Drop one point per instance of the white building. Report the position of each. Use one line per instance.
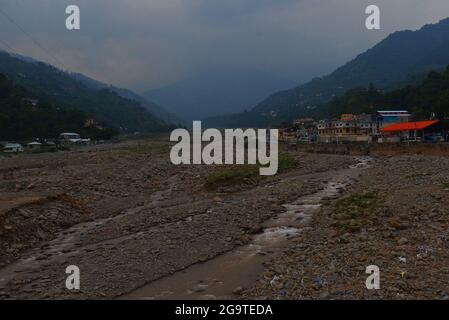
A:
(67, 136)
(13, 148)
(34, 145)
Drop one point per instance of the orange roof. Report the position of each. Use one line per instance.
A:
(409, 126)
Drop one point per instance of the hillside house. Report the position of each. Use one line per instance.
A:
(33, 102)
(67, 136)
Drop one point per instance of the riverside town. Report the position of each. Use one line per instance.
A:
(384, 126)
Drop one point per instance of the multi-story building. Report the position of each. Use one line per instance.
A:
(363, 127)
(355, 128)
(387, 117)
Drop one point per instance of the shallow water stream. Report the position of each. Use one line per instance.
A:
(225, 275)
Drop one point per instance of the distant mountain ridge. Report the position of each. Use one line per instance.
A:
(155, 109)
(217, 92)
(402, 57)
(65, 90)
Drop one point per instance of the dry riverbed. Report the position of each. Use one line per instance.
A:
(395, 216)
(139, 227)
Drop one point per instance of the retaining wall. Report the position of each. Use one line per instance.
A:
(381, 149)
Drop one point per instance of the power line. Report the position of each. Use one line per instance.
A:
(8, 46)
(50, 54)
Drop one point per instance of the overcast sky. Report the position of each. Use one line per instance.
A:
(145, 44)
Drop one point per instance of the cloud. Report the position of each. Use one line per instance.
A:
(144, 44)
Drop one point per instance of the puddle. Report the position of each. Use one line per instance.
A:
(224, 276)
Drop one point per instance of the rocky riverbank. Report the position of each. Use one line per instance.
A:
(130, 219)
(127, 217)
(395, 216)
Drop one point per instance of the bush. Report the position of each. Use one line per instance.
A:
(352, 212)
(238, 173)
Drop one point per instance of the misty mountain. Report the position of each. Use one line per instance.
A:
(403, 57)
(216, 93)
(61, 89)
(155, 109)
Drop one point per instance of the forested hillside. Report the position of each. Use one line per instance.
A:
(21, 120)
(61, 89)
(431, 96)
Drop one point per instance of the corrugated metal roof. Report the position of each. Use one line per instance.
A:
(409, 126)
(392, 111)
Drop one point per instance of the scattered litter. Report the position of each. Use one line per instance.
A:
(317, 281)
(423, 252)
(283, 293)
(274, 280)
